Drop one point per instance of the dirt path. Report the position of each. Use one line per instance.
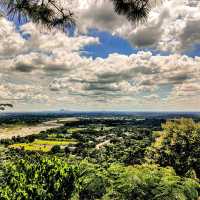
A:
(102, 144)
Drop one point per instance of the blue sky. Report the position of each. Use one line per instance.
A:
(107, 64)
(108, 44)
(115, 44)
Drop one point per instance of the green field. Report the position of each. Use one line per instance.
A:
(42, 145)
(55, 142)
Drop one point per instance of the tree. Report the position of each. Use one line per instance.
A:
(56, 149)
(178, 146)
(50, 14)
(92, 181)
(36, 177)
(4, 105)
(67, 151)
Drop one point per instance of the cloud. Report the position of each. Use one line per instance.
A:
(44, 51)
(149, 34)
(99, 15)
(187, 90)
(172, 26)
(141, 77)
(11, 42)
(42, 68)
(190, 34)
(20, 92)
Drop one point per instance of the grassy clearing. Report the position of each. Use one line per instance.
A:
(42, 145)
(31, 147)
(73, 130)
(59, 136)
(103, 128)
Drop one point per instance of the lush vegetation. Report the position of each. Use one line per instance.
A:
(178, 145)
(42, 177)
(104, 159)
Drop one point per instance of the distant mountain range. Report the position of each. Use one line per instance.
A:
(64, 113)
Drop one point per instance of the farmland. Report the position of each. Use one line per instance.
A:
(42, 145)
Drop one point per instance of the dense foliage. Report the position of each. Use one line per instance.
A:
(178, 145)
(37, 178)
(42, 177)
(149, 182)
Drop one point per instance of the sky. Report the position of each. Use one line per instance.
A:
(108, 63)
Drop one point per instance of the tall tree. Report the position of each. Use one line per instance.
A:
(178, 146)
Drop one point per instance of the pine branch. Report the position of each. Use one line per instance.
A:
(45, 12)
(134, 10)
(50, 14)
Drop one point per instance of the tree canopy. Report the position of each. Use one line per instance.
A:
(41, 177)
(178, 146)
